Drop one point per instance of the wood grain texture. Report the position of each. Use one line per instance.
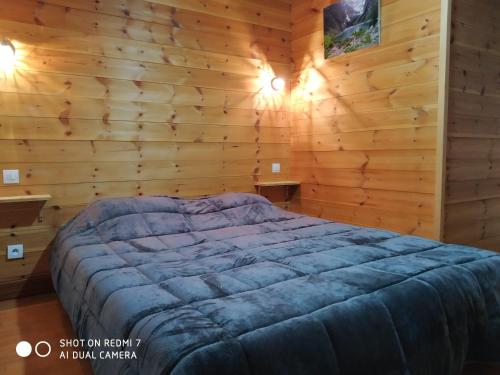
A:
(129, 98)
(364, 125)
(443, 114)
(472, 214)
(21, 210)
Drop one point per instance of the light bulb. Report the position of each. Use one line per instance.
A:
(278, 83)
(7, 56)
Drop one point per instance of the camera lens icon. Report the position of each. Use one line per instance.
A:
(42, 349)
(23, 349)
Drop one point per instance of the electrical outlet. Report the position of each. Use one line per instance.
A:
(276, 167)
(15, 251)
(10, 176)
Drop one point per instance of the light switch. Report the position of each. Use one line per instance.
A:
(276, 167)
(15, 251)
(10, 176)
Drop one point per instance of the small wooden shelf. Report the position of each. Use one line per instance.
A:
(21, 211)
(277, 183)
(25, 198)
(272, 188)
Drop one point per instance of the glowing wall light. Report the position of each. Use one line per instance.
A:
(278, 83)
(271, 84)
(7, 56)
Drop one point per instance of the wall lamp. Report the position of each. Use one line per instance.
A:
(7, 55)
(278, 83)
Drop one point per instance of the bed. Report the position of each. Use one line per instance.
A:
(231, 284)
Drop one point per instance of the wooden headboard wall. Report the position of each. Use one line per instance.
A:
(364, 131)
(123, 98)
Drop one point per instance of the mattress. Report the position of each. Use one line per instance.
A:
(231, 284)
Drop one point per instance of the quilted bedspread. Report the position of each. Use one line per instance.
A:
(231, 284)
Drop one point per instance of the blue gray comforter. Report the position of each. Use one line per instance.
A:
(234, 285)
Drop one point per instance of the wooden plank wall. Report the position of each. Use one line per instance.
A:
(364, 128)
(136, 97)
(472, 214)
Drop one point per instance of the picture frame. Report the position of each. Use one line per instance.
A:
(351, 25)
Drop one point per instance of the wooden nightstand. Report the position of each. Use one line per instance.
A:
(278, 192)
(20, 211)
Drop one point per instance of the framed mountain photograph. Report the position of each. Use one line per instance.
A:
(351, 25)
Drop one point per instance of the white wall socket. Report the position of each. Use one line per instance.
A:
(15, 251)
(10, 176)
(276, 167)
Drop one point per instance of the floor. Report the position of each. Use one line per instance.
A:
(34, 319)
(42, 318)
